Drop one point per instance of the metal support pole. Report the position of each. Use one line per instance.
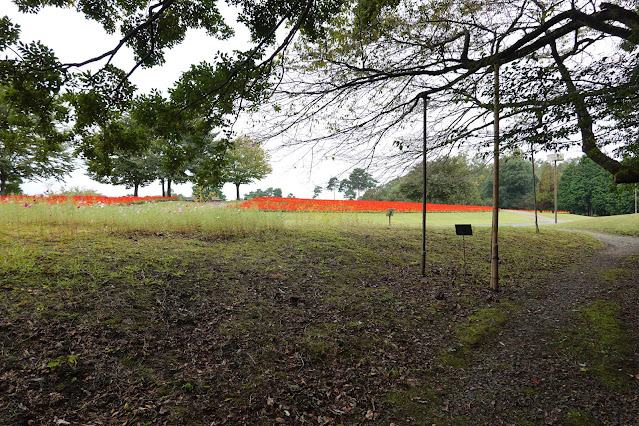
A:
(555, 187)
(424, 188)
(534, 183)
(494, 261)
(464, 245)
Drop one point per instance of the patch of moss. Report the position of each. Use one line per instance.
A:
(601, 345)
(479, 328)
(616, 274)
(327, 329)
(414, 404)
(319, 349)
(578, 418)
(451, 360)
(484, 324)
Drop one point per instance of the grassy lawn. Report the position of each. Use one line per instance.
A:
(406, 219)
(622, 224)
(140, 315)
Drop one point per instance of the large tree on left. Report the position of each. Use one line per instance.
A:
(33, 141)
(151, 28)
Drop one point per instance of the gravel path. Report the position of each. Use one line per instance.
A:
(542, 220)
(522, 375)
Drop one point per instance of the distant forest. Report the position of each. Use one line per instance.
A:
(583, 186)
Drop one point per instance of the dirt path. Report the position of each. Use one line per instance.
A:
(524, 376)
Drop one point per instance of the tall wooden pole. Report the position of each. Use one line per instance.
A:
(494, 262)
(424, 189)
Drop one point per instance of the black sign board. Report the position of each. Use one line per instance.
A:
(464, 229)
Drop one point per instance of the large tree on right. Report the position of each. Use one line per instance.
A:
(569, 75)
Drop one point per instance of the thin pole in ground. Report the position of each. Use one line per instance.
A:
(534, 182)
(424, 189)
(494, 261)
(555, 187)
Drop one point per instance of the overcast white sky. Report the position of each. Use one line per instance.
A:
(74, 39)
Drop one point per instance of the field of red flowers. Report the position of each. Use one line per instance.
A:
(76, 199)
(298, 204)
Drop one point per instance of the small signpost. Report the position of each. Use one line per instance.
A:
(389, 213)
(464, 230)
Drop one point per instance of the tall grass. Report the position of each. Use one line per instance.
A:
(178, 217)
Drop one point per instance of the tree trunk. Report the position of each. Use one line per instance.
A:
(237, 191)
(135, 189)
(621, 173)
(162, 182)
(3, 183)
(168, 187)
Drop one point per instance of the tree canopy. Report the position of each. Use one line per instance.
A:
(245, 162)
(33, 143)
(268, 192)
(358, 180)
(451, 180)
(586, 188)
(569, 70)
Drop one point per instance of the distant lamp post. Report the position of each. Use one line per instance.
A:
(555, 157)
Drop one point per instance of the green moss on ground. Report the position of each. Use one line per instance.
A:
(601, 346)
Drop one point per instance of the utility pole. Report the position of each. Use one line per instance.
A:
(424, 190)
(494, 262)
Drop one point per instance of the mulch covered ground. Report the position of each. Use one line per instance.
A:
(315, 328)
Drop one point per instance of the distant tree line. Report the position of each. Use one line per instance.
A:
(584, 187)
(268, 192)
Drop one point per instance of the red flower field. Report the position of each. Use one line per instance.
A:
(298, 204)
